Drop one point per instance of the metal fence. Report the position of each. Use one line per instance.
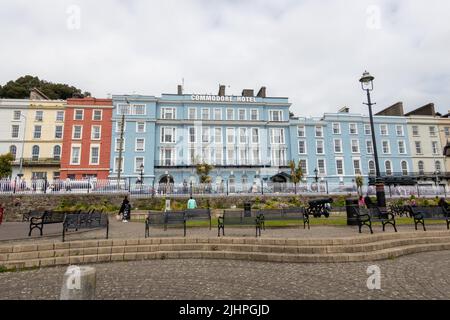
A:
(94, 186)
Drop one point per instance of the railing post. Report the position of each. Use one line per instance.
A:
(227, 189)
(262, 187)
(418, 191)
(15, 184)
(89, 184)
(129, 184)
(326, 184)
(390, 191)
(190, 189)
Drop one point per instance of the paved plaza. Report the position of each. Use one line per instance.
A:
(419, 276)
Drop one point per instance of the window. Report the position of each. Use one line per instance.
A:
(243, 157)
(192, 135)
(58, 132)
(369, 147)
(95, 155)
(75, 155)
(168, 135)
(319, 147)
(230, 156)
(355, 146)
(39, 116)
(357, 167)
(140, 127)
(37, 132)
(255, 135)
(447, 131)
(384, 130)
(254, 115)
(205, 114)
(256, 157)
(97, 115)
(276, 115)
(117, 145)
(435, 147)
(217, 114)
(38, 175)
(77, 132)
(400, 131)
(192, 114)
(337, 146)
(301, 131)
(123, 109)
(418, 147)
(278, 157)
(205, 135)
(388, 167)
(242, 135)
(117, 165)
(96, 132)
(119, 126)
(277, 136)
(242, 114)
(401, 147)
(206, 155)
(15, 131)
(432, 131)
(230, 114)
(35, 153)
(372, 168)
(304, 166)
(421, 166)
(415, 130)
(404, 166)
(321, 166)
(167, 156)
(140, 145)
(353, 128)
(16, 115)
(367, 130)
(79, 115)
(230, 135)
(60, 116)
(437, 166)
(340, 167)
(139, 110)
(386, 147)
(218, 135)
(336, 128)
(168, 113)
(319, 131)
(56, 175)
(13, 151)
(138, 162)
(302, 147)
(57, 153)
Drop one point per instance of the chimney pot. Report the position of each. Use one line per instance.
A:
(180, 90)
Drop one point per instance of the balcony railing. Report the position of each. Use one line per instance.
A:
(36, 162)
(234, 164)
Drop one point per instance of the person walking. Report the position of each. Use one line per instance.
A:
(361, 202)
(125, 210)
(192, 204)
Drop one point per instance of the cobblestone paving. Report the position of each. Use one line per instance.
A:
(420, 276)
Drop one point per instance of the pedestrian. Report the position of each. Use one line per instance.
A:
(361, 202)
(443, 204)
(368, 202)
(413, 203)
(125, 210)
(192, 204)
(2, 212)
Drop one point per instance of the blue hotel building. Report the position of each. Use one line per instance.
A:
(249, 139)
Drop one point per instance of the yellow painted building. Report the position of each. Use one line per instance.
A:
(43, 139)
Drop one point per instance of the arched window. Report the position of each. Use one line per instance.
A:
(437, 166)
(388, 166)
(57, 153)
(35, 153)
(13, 151)
(372, 169)
(404, 168)
(421, 166)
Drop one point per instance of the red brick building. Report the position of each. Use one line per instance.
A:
(86, 146)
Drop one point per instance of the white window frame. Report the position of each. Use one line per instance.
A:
(343, 166)
(19, 112)
(305, 172)
(40, 132)
(340, 146)
(273, 112)
(134, 110)
(73, 132)
(415, 131)
(316, 131)
(339, 127)
(239, 114)
(245, 135)
(371, 146)
(221, 135)
(432, 132)
(385, 168)
(232, 114)
(305, 147)
(136, 168)
(62, 131)
(350, 129)
(420, 147)
(374, 167)
(41, 112)
(206, 132)
(195, 135)
(209, 114)
(435, 151)
(174, 135)
(257, 114)
(92, 132)
(116, 159)
(258, 135)
(63, 116)
(282, 136)
(300, 130)
(90, 154)
(323, 147)
(165, 111)
(136, 145)
(75, 145)
(402, 132)
(218, 111)
(93, 114)
(75, 115)
(404, 146)
(360, 167)
(137, 127)
(234, 135)
(367, 127)
(324, 173)
(189, 113)
(381, 130)
(388, 145)
(358, 146)
(117, 144)
(407, 167)
(18, 131)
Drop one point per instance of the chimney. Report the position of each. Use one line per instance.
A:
(344, 110)
(248, 93)
(221, 91)
(262, 92)
(180, 90)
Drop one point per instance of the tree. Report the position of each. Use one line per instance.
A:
(359, 180)
(203, 170)
(296, 173)
(6, 161)
(20, 89)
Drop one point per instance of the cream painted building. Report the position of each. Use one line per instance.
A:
(444, 133)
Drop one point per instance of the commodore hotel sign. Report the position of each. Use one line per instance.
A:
(210, 98)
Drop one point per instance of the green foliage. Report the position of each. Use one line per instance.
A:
(359, 180)
(203, 170)
(20, 89)
(296, 172)
(6, 161)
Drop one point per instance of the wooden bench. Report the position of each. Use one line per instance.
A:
(317, 208)
(199, 215)
(238, 218)
(288, 214)
(421, 214)
(85, 220)
(365, 217)
(46, 217)
(399, 210)
(164, 219)
(26, 217)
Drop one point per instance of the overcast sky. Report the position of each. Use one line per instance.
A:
(311, 51)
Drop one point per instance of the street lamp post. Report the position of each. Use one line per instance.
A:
(316, 172)
(141, 180)
(367, 85)
(20, 174)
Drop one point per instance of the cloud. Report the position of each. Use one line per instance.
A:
(310, 51)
